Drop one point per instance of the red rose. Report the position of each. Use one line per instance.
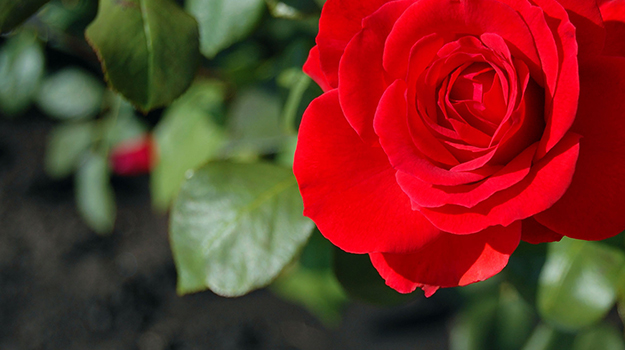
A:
(133, 157)
(451, 129)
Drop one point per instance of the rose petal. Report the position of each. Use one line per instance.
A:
(312, 67)
(586, 17)
(545, 185)
(594, 205)
(349, 187)
(613, 13)
(561, 106)
(533, 232)
(391, 126)
(340, 21)
(465, 17)
(428, 195)
(450, 260)
(361, 72)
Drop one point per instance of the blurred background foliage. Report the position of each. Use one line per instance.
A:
(206, 97)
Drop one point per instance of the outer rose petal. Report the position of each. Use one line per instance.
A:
(593, 208)
(312, 67)
(467, 17)
(534, 233)
(349, 187)
(363, 80)
(545, 185)
(585, 16)
(613, 13)
(560, 111)
(339, 22)
(450, 260)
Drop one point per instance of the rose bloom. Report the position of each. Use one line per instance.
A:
(133, 157)
(449, 130)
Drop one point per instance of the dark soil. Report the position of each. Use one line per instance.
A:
(64, 287)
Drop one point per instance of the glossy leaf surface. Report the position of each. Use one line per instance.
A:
(149, 49)
(224, 22)
(234, 227)
(578, 284)
(187, 137)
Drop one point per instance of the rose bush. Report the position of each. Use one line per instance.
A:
(449, 130)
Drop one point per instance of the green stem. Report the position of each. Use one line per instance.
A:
(292, 103)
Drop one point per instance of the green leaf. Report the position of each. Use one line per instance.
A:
(299, 84)
(318, 254)
(286, 154)
(224, 22)
(472, 327)
(578, 284)
(149, 49)
(254, 124)
(71, 93)
(120, 122)
(320, 2)
(545, 337)
(524, 267)
(312, 282)
(66, 145)
(21, 67)
(14, 12)
(515, 319)
(62, 17)
(317, 290)
(362, 281)
(234, 227)
(187, 138)
(601, 337)
(94, 194)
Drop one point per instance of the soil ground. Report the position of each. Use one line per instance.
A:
(64, 287)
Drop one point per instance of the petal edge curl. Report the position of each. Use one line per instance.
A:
(349, 187)
(451, 260)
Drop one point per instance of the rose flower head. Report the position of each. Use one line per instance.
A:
(133, 157)
(449, 130)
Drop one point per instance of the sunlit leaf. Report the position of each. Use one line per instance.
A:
(21, 67)
(602, 337)
(149, 49)
(545, 337)
(66, 145)
(187, 138)
(71, 93)
(94, 195)
(234, 227)
(224, 22)
(14, 12)
(578, 284)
